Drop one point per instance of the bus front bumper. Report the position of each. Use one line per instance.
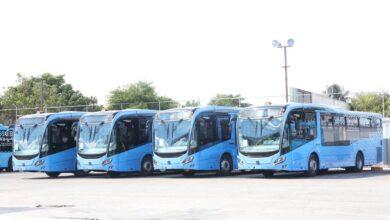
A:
(183, 162)
(98, 164)
(274, 163)
(26, 165)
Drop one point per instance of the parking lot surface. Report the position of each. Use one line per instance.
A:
(334, 195)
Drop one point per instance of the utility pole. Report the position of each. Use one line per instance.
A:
(277, 44)
(285, 72)
(42, 98)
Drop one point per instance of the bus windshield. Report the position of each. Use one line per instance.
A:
(28, 135)
(259, 131)
(172, 132)
(94, 134)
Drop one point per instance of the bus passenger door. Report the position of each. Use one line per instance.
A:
(207, 136)
(225, 137)
(302, 128)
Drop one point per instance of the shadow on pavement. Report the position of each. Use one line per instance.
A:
(332, 174)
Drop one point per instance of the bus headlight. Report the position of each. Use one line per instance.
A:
(107, 161)
(39, 163)
(280, 160)
(188, 159)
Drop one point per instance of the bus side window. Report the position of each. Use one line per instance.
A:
(128, 133)
(352, 128)
(206, 130)
(365, 127)
(74, 130)
(310, 126)
(224, 126)
(301, 127)
(61, 136)
(143, 134)
(327, 129)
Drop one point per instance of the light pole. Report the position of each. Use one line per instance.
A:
(277, 44)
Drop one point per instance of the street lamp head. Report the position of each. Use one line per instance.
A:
(290, 42)
(276, 43)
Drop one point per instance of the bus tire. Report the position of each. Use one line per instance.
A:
(359, 162)
(313, 166)
(188, 173)
(225, 165)
(147, 168)
(53, 174)
(268, 173)
(10, 166)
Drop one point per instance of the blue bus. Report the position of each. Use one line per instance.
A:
(307, 138)
(46, 143)
(195, 139)
(6, 136)
(116, 142)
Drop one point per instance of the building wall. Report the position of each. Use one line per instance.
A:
(302, 96)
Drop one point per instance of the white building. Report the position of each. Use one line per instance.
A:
(302, 96)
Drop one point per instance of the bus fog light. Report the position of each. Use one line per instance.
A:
(106, 162)
(154, 162)
(188, 159)
(280, 160)
(240, 161)
(39, 163)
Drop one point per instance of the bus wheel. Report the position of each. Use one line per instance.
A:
(268, 174)
(313, 168)
(10, 166)
(225, 166)
(113, 174)
(147, 166)
(359, 162)
(53, 174)
(188, 173)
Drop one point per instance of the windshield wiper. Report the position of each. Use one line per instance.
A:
(178, 139)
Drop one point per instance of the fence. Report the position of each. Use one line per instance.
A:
(9, 115)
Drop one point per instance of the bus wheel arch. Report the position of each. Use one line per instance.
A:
(147, 168)
(225, 164)
(313, 165)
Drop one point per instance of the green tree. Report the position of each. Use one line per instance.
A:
(371, 102)
(335, 91)
(56, 92)
(228, 100)
(141, 95)
(192, 103)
